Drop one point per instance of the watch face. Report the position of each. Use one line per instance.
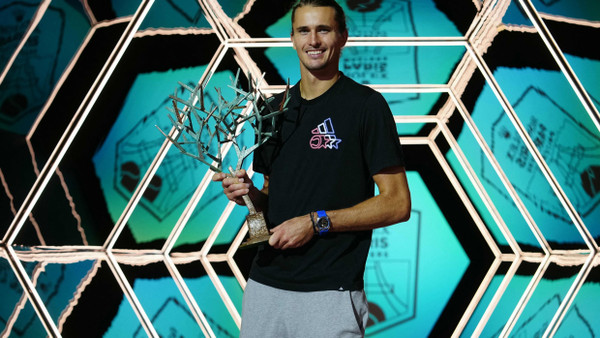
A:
(323, 223)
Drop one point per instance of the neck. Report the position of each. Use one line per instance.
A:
(313, 86)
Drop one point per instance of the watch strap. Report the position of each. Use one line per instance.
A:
(320, 230)
(314, 224)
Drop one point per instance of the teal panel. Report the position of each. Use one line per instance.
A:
(41, 62)
(572, 9)
(167, 311)
(506, 306)
(487, 175)
(11, 292)
(544, 303)
(175, 14)
(482, 306)
(576, 9)
(404, 265)
(131, 146)
(385, 19)
(580, 320)
(565, 136)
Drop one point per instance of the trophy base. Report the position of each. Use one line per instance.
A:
(257, 228)
(254, 241)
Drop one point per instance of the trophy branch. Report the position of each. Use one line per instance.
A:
(205, 134)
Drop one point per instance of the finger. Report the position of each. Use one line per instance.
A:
(240, 173)
(218, 177)
(234, 184)
(237, 182)
(237, 190)
(287, 245)
(236, 196)
(274, 241)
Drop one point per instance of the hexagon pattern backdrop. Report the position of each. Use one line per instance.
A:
(107, 230)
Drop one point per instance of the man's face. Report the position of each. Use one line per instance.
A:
(316, 39)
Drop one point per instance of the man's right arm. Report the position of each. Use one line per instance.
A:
(235, 187)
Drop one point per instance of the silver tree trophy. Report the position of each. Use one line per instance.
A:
(210, 132)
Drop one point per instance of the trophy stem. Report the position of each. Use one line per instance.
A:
(249, 204)
(257, 226)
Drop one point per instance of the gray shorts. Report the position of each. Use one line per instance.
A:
(272, 312)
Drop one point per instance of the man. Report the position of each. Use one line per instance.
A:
(336, 139)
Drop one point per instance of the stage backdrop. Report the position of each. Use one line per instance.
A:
(107, 230)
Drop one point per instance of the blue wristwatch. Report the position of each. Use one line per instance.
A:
(323, 223)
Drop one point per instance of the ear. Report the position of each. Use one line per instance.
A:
(344, 37)
(292, 38)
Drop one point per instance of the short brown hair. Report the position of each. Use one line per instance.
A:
(340, 16)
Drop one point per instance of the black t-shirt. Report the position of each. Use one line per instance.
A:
(323, 158)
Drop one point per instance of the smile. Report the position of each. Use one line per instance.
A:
(315, 52)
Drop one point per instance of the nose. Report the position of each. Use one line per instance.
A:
(314, 39)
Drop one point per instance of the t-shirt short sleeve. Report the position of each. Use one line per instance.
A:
(263, 155)
(380, 137)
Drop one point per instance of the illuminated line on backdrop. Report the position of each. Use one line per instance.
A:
(354, 41)
(31, 292)
(130, 295)
(146, 179)
(11, 198)
(77, 294)
(210, 270)
(188, 211)
(480, 17)
(504, 179)
(572, 21)
(497, 297)
(66, 73)
(483, 287)
(72, 205)
(234, 37)
(525, 297)
(562, 62)
(72, 129)
(51, 166)
(560, 314)
(189, 298)
(464, 198)
(173, 31)
(213, 20)
(481, 192)
(37, 17)
(37, 270)
(510, 113)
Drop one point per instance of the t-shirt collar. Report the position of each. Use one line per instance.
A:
(296, 98)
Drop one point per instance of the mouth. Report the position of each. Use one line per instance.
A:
(315, 52)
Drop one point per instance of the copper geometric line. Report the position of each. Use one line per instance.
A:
(497, 297)
(31, 292)
(505, 181)
(130, 295)
(37, 17)
(562, 62)
(525, 297)
(558, 191)
(189, 298)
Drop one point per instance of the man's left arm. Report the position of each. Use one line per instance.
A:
(392, 205)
